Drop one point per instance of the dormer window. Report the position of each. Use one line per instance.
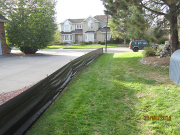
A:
(78, 26)
(90, 24)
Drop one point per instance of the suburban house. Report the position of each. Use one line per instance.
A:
(89, 29)
(3, 45)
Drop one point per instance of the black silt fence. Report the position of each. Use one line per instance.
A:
(19, 113)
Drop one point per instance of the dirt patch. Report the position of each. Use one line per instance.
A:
(156, 61)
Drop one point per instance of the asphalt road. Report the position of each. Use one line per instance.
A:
(17, 72)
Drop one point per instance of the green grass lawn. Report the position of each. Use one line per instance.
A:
(111, 96)
(92, 46)
(55, 47)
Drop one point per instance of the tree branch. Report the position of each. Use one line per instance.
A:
(157, 2)
(149, 9)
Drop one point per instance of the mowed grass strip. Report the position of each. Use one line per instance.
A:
(55, 46)
(111, 96)
(92, 46)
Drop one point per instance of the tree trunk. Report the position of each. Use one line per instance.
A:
(173, 30)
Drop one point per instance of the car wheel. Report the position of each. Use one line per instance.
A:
(135, 49)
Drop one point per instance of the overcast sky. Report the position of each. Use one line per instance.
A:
(77, 9)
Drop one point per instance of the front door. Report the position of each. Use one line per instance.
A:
(80, 38)
(0, 48)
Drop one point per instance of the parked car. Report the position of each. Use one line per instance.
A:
(137, 45)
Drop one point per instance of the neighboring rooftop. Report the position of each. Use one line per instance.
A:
(103, 29)
(101, 18)
(76, 20)
(3, 19)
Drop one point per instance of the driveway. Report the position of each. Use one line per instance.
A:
(17, 72)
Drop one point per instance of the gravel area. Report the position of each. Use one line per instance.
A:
(4, 97)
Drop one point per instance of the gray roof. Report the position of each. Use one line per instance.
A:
(79, 31)
(104, 29)
(90, 32)
(102, 18)
(3, 19)
(62, 32)
(76, 20)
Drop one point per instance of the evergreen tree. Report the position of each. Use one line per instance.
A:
(32, 23)
(170, 9)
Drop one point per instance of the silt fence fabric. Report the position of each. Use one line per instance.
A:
(19, 113)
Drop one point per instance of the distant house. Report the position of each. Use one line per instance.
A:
(89, 29)
(3, 45)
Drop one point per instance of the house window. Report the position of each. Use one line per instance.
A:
(108, 36)
(70, 37)
(78, 26)
(89, 37)
(62, 28)
(66, 27)
(90, 24)
(66, 37)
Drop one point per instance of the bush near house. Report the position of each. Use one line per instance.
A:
(99, 42)
(102, 43)
(149, 51)
(90, 42)
(94, 42)
(81, 43)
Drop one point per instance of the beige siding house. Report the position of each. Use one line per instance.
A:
(89, 29)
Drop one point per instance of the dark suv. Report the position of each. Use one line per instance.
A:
(136, 45)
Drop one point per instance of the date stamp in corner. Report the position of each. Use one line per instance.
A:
(157, 117)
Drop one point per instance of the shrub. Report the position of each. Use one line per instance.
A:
(109, 41)
(99, 42)
(28, 49)
(94, 42)
(57, 42)
(149, 51)
(86, 43)
(162, 40)
(90, 42)
(81, 43)
(102, 43)
(64, 43)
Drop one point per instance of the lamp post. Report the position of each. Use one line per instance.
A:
(106, 34)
